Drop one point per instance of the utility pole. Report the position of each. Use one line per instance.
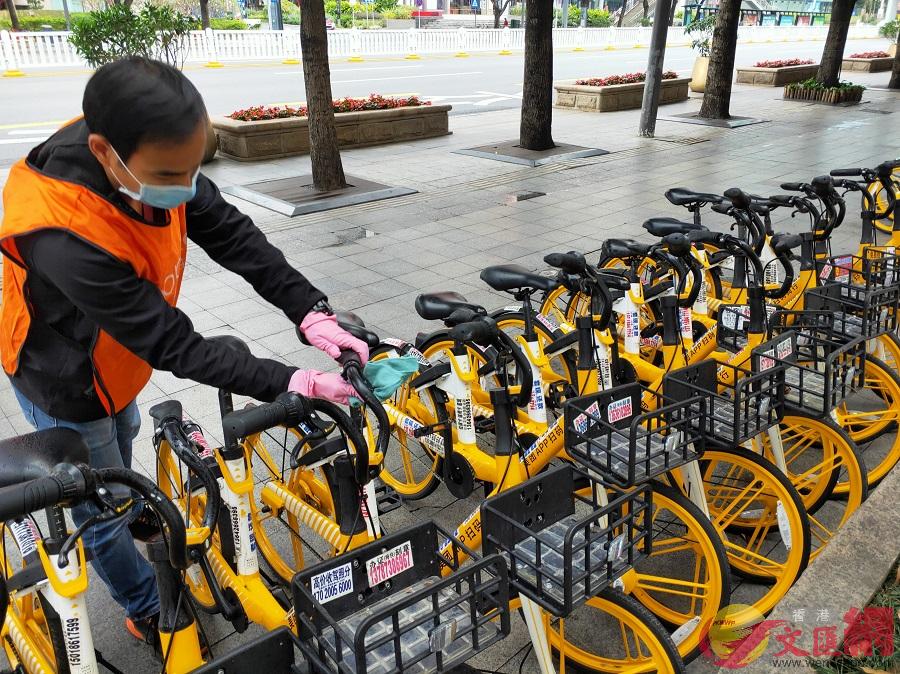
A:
(650, 104)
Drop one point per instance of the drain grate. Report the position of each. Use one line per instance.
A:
(523, 196)
(347, 236)
(681, 140)
(877, 112)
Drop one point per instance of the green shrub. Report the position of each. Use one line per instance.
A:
(35, 21)
(401, 12)
(258, 14)
(890, 30)
(227, 24)
(117, 32)
(598, 18)
(702, 31)
(382, 6)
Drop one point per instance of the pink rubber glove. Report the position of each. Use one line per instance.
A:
(325, 385)
(323, 332)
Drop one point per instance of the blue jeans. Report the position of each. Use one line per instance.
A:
(127, 574)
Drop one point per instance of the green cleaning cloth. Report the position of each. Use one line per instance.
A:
(386, 375)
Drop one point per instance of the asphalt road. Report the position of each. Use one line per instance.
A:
(31, 107)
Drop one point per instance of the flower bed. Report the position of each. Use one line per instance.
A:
(783, 63)
(812, 90)
(618, 92)
(777, 73)
(630, 78)
(868, 62)
(269, 132)
(373, 102)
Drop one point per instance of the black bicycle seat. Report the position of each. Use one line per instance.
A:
(681, 196)
(438, 306)
(625, 248)
(28, 457)
(513, 276)
(664, 226)
(355, 326)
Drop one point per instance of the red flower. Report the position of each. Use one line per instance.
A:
(870, 55)
(373, 102)
(782, 63)
(630, 78)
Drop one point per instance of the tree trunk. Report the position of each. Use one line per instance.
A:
(672, 13)
(622, 14)
(204, 14)
(833, 54)
(327, 170)
(496, 14)
(646, 10)
(895, 71)
(537, 91)
(13, 14)
(717, 96)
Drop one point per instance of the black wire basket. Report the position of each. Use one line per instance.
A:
(822, 366)
(565, 536)
(863, 292)
(608, 434)
(742, 403)
(399, 605)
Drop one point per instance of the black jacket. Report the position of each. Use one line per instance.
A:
(74, 289)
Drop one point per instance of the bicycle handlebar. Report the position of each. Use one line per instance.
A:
(66, 482)
(570, 263)
(846, 173)
(287, 409)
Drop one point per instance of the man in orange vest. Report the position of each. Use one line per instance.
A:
(94, 234)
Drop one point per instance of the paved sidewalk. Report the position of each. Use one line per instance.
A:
(374, 259)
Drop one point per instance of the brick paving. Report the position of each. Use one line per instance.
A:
(374, 259)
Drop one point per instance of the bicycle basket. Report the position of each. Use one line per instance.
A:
(741, 403)
(607, 433)
(385, 607)
(732, 322)
(822, 367)
(563, 547)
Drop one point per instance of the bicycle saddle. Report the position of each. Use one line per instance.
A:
(355, 326)
(681, 196)
(438, 306)
(34, 455)
(625, 248)
(664, 226)
(511, 276)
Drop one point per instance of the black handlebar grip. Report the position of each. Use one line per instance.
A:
(347, 357)
(571, 262)
(482, 331)
(783, 243)
(782, 200)
(846, 173)
(27, 497)
(738, 197)
(792, 187)
(705, 236)
(287, 409)
(722, 207)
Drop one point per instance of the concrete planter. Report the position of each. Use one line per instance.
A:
(617, 96)
(833, 96)
(776, 77)
(876, 65)
(399, 24)
(273, 138)
(698, 75)
(892, 50)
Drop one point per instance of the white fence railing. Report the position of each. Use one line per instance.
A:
(52, 49)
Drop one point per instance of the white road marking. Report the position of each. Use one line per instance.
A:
(404, 77)
(27, 132)
(23, 141)
(294, 73)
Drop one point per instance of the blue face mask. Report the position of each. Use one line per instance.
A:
(159, 196)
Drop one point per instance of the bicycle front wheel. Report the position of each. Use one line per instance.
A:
(613, 633)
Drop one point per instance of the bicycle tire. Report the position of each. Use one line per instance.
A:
(744, 560)
(665, 658)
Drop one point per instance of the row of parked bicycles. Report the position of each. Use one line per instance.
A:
(659, 432)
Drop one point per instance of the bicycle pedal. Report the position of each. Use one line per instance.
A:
(484, 425)
(387, 498)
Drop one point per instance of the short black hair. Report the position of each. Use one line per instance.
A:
(136, 100)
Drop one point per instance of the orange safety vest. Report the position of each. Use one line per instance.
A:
(32, 202)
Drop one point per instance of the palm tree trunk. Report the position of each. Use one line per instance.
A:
(204, 14)
(13, 14)
(621, 14)
(717, 97)
(537, 91)
(833, 54)
(327, 170)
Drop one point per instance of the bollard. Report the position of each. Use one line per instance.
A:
(293, 47)
(354, 47)
(461, 44)
(579, 39)
(411, 53)
(10, 69)
(506, 41)
(212, 57)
